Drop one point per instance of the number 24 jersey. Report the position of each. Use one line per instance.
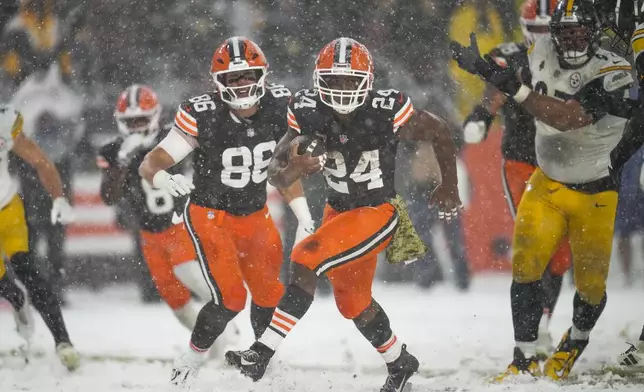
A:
(361, 162)
(231, 160)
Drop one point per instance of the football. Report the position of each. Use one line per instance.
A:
(310, 144)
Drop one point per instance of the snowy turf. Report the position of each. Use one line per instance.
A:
(460, 339)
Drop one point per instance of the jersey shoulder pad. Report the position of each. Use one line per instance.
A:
(11, 122)
(395, 104)
(107, 154)
(614, 70)
(513, 54)
(301, 107)
(189, 112)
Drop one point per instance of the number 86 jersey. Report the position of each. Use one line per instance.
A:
(232, 153)
(361, 146)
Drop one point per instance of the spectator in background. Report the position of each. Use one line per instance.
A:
(630, 214)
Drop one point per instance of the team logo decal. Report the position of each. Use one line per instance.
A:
(575, 80)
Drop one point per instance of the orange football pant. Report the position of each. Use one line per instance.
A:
(345, 248)
(233, 249)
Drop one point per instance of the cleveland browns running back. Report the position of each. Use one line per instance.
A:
(359, 129)
(233, 132)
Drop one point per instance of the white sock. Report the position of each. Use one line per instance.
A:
(578, 334)
(529, 349)
(391, 350)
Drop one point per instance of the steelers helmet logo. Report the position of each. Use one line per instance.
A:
(575, 80)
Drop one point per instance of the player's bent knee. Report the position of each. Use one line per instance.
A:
(351, 305)
(592, 291)
(269, 295)
(235, 298)
(525, 268)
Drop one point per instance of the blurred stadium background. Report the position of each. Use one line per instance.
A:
(64, 62)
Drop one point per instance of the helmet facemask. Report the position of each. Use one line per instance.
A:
(139, 123)
(576, 42)
(241, 88)
(343, 89)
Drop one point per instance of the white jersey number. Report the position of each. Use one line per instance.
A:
(367, 170)
(252, 166)
(158, 201)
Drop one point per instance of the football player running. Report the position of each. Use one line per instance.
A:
(578, 102)
(517, 148)
(625, 20)
(13, 239)
(360, 130)
(233, 132)
(166, 246)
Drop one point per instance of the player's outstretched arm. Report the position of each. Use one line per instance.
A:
(31, 153)
(425, 126)
(562, 115)
(172, 149)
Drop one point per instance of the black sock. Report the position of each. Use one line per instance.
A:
(377, 331)
(211, 322)
(551, 290)
(642, 335)
(10, 291)
(527, 309)
(585, 315)
(292, 307)
(42, 297)
(260, 317)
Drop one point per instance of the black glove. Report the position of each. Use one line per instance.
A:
(480, 113)
(469, 58)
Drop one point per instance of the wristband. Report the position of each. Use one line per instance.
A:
(522, 94)
(300, 208)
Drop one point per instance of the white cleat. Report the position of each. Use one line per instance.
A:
(633, 358)
(185, 370)
(68, 356)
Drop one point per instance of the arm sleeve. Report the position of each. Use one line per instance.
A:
(178, 144)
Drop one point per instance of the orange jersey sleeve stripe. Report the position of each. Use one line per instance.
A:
(404, 114)
(292, 122)
(188, 118)
(184, 126)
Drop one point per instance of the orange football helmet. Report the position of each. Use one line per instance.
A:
(535, 18)
(239, 54)
(138, 111)
(342, 60)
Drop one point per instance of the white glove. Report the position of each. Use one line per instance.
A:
(62, 212)
(175, 184)
(474, 132)
(129, 146)
(304, 229)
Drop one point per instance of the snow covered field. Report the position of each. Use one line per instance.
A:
(460, 339)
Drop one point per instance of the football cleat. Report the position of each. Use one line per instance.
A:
(560, 363)
(251, 363)
(68, 356)
(521, 365)
(633, 357)
(400, 371)
(185, 371)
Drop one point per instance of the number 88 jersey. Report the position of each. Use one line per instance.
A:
(361, 146)
(232, 154)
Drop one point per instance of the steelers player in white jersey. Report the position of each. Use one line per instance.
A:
(13, 238)
(576, 92)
